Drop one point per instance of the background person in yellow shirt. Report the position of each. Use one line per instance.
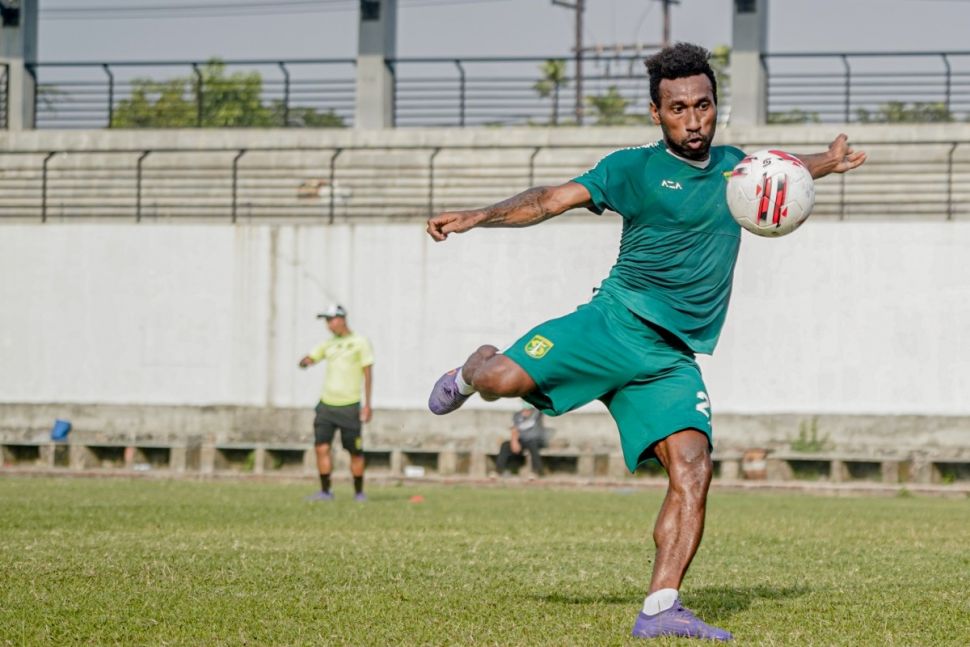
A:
(349, 360)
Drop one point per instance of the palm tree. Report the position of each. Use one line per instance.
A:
(553, 78)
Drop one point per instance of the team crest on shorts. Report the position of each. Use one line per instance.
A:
(537, 347)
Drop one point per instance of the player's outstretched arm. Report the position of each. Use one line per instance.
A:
(527, 208)
(839, 158)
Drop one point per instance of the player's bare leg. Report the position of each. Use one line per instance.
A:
(677, 534)
(357, 465)
(324, 467)
(487, 371)
(324, 463)
(680, 524)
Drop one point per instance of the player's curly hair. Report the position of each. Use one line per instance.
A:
(676, 62)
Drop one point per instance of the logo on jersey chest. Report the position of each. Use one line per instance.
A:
(671, 184)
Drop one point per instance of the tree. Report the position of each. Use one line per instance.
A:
(155, 104)
(553, 78)
(231, 100)
(895, 112)
(226, 100)
(211, 100)
(609, 108)
(793, 116)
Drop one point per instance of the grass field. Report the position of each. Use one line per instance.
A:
(232, 563)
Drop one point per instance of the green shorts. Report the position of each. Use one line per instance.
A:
(646, 376)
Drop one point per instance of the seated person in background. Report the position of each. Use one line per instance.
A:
(528, 433)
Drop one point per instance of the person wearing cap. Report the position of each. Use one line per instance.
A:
(349, 361)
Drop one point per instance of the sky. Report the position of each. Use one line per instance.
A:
(449, 28)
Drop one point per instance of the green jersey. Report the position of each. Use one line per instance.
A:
(679, 243)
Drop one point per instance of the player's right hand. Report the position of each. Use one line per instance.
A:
(451, 222)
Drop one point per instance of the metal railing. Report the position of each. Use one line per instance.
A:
(873, 87)
(486, 91)
(929, 179)
(478, 91)
(475, 91)
(292, 93)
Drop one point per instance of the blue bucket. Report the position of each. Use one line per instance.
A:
(61, 429)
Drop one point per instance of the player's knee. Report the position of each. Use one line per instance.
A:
(690, 466)
(694, 476)
(503, 378)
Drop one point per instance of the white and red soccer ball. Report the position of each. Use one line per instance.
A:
(770, 193)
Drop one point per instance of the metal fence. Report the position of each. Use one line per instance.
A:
(802, 88)
(928, 179)
(314, 92)
(874, 87)
(292, 93)
(509, 91)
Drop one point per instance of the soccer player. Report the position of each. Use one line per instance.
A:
(349, 363)
(632, 346)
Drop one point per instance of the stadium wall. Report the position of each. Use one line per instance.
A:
(195, 329)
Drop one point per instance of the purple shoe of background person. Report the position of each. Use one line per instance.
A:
(677, 621)
(445, 397)
(360, 497)
(320, 496)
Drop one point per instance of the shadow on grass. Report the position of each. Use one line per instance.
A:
(723, 601)
(711, 601)
(615, 598)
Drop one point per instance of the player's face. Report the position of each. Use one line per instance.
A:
(336, 324)
(687, 115)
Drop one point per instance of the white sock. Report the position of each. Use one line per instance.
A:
(659, 601)
(463, 387)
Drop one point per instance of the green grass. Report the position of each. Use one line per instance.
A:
(232, 563)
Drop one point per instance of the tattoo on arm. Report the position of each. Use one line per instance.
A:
(520, 210)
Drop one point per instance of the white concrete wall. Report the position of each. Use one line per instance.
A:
(838, 318)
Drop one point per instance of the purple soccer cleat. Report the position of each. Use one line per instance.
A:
(360, 496)
(677, 621)
(320, 496)
(445, 397)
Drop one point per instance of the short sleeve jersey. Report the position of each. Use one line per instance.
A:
(679, 243)
(346, 358)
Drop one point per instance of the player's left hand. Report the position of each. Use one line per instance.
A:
(845, 159)
(365, 414)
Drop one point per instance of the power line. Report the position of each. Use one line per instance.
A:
(188, 5)
(227, 9)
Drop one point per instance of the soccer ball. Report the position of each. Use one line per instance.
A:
(770, 193)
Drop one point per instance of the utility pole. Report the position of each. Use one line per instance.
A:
(579, 6)
(666, 10)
